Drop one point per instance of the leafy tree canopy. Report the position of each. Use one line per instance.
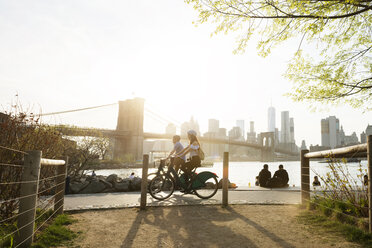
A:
(341, 72)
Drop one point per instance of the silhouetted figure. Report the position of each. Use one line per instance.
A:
(257, 183)
(264, 176)
(316, 181)
(365, 180)
(93, 174)
(280, 178)
(67, 185)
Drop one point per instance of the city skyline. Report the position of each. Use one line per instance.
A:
(101, 54)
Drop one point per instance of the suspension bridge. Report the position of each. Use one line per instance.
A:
(129, 134)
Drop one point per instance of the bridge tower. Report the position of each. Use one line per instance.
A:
(268, 142)
(130, 118)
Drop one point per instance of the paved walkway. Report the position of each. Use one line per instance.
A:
(242, 195)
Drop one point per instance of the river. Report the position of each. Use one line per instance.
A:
(244, 173)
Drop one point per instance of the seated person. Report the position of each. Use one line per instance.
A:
(280, 178)
(264, 176)
(316, 181)
(178, 147)
(257, 183)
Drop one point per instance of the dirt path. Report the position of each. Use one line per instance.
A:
(200, 226)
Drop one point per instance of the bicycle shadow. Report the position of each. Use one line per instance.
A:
(186, 227)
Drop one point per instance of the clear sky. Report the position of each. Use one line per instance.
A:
(60, 55)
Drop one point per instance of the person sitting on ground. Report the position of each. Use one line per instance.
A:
(93, 173)
(316, 181)
(178, 148)
(280, 178)
(257, 183)
(264, 176)
(131, 175)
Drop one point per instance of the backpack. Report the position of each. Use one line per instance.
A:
(201, 153)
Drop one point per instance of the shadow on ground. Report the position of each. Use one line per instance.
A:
(206, 226)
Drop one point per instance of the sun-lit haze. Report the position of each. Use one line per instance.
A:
(61, 55)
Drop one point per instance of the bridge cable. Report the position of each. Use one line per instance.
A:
(76, 110)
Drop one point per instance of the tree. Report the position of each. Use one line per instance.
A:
(341, 30)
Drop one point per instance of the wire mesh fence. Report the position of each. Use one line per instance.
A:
(30, 195)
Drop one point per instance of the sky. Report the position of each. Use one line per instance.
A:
(61, 55)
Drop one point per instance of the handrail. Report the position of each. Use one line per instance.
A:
(45, 161)
(356, 151)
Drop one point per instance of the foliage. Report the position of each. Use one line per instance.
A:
(342, 190)
(56, 233)
(321, 224)
(23, 132)
(339, 30)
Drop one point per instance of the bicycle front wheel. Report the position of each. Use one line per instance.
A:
(205, 186)
(161, 187)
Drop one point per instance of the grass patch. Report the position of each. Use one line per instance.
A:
(320, 223)
(56, 234)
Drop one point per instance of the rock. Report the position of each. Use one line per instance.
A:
(107, 184)
(122, 186)
(113, 178)
(77, 187)
(94, 187)
(220, 183)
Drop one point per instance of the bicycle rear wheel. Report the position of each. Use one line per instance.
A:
(205, 187)
(161, 187)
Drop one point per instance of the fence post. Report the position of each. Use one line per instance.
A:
(60, 188)
(225, 179)
(369, 156)
(28, 190)
(305, 177)
(145, 167)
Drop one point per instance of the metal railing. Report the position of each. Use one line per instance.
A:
(363, 150)
(29, 199)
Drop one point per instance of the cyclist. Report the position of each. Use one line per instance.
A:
(178, 148)
(193, 148)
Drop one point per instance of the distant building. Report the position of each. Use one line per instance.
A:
(285, 128)
(363, 135)
(240, 124)
(213, 125)
(271, 119)
(363, 138)
(235, 133)
(369, 130)
(192, 124)
(330, 131)
(291, 131)
(251, 135)
(171, 129)
(303, 145)
(350, 140)
(222, 132)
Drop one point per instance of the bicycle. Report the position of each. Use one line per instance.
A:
(203, 184)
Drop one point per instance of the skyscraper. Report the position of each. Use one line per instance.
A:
(330, 131)
(251, 136)
(240, 124)
(291, 130)
(285, 128)
(271, 119)
(171, 129)
(213, 125)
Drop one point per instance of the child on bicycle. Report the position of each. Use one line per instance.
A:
(178, 148)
